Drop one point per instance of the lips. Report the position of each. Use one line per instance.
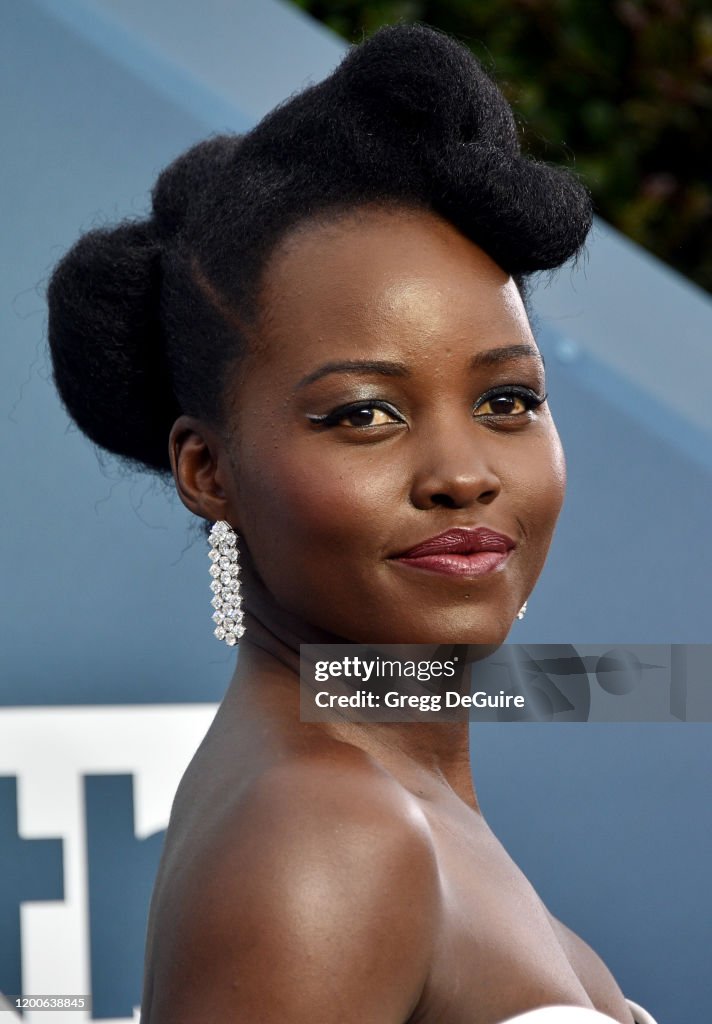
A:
(461, 542)
(460, 552)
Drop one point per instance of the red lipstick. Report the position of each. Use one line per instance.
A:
(460, 552)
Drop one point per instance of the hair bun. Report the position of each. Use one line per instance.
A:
(411, 115)
(105, 342)
(180, 185)
(419, 79)
(418, 82)
(528, 216)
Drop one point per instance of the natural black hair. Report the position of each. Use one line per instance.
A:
(148, 319)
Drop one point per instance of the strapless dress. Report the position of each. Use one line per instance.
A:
(576, 1015)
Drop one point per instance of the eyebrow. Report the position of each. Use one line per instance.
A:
(384, 368)
(381, 367)
(493, 356)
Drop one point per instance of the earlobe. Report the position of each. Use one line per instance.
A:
(198, 460)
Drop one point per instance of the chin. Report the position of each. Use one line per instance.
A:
(487, 632)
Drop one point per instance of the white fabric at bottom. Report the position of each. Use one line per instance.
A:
(641, 1016)
(576, 1015)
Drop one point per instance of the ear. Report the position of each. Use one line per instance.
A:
(202, 470)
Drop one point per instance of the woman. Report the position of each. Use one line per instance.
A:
(321, 333)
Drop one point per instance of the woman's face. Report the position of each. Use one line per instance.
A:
(391, 396)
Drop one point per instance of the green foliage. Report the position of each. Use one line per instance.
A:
(622, 91)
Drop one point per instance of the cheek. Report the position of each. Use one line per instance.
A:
(542, 489)
(548, 480)
(557, 470)
(304, 506)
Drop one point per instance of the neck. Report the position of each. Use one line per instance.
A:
(425, 756)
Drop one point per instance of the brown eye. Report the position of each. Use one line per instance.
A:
(359, 414)
(367, 416)
(502, 405)
(508, 402)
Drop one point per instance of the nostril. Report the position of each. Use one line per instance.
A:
(446, 500)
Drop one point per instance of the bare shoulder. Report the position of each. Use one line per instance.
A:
(316, 899)
(596, 978)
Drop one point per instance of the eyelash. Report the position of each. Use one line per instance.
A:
(334, 418)
(530, 399)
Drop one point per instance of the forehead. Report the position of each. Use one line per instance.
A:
(375, 279)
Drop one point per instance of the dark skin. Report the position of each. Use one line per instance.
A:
(316, 873)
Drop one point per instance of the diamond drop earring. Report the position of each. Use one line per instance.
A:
(225, 585)
(522, 611)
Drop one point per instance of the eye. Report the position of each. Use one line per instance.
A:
(508, 402)
(367, 416)
(359, 414)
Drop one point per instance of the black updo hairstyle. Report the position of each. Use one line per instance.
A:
(148, 319)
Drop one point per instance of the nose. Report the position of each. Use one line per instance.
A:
(454, 470)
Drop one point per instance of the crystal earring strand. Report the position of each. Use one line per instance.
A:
(225, 585)
(522, 611)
